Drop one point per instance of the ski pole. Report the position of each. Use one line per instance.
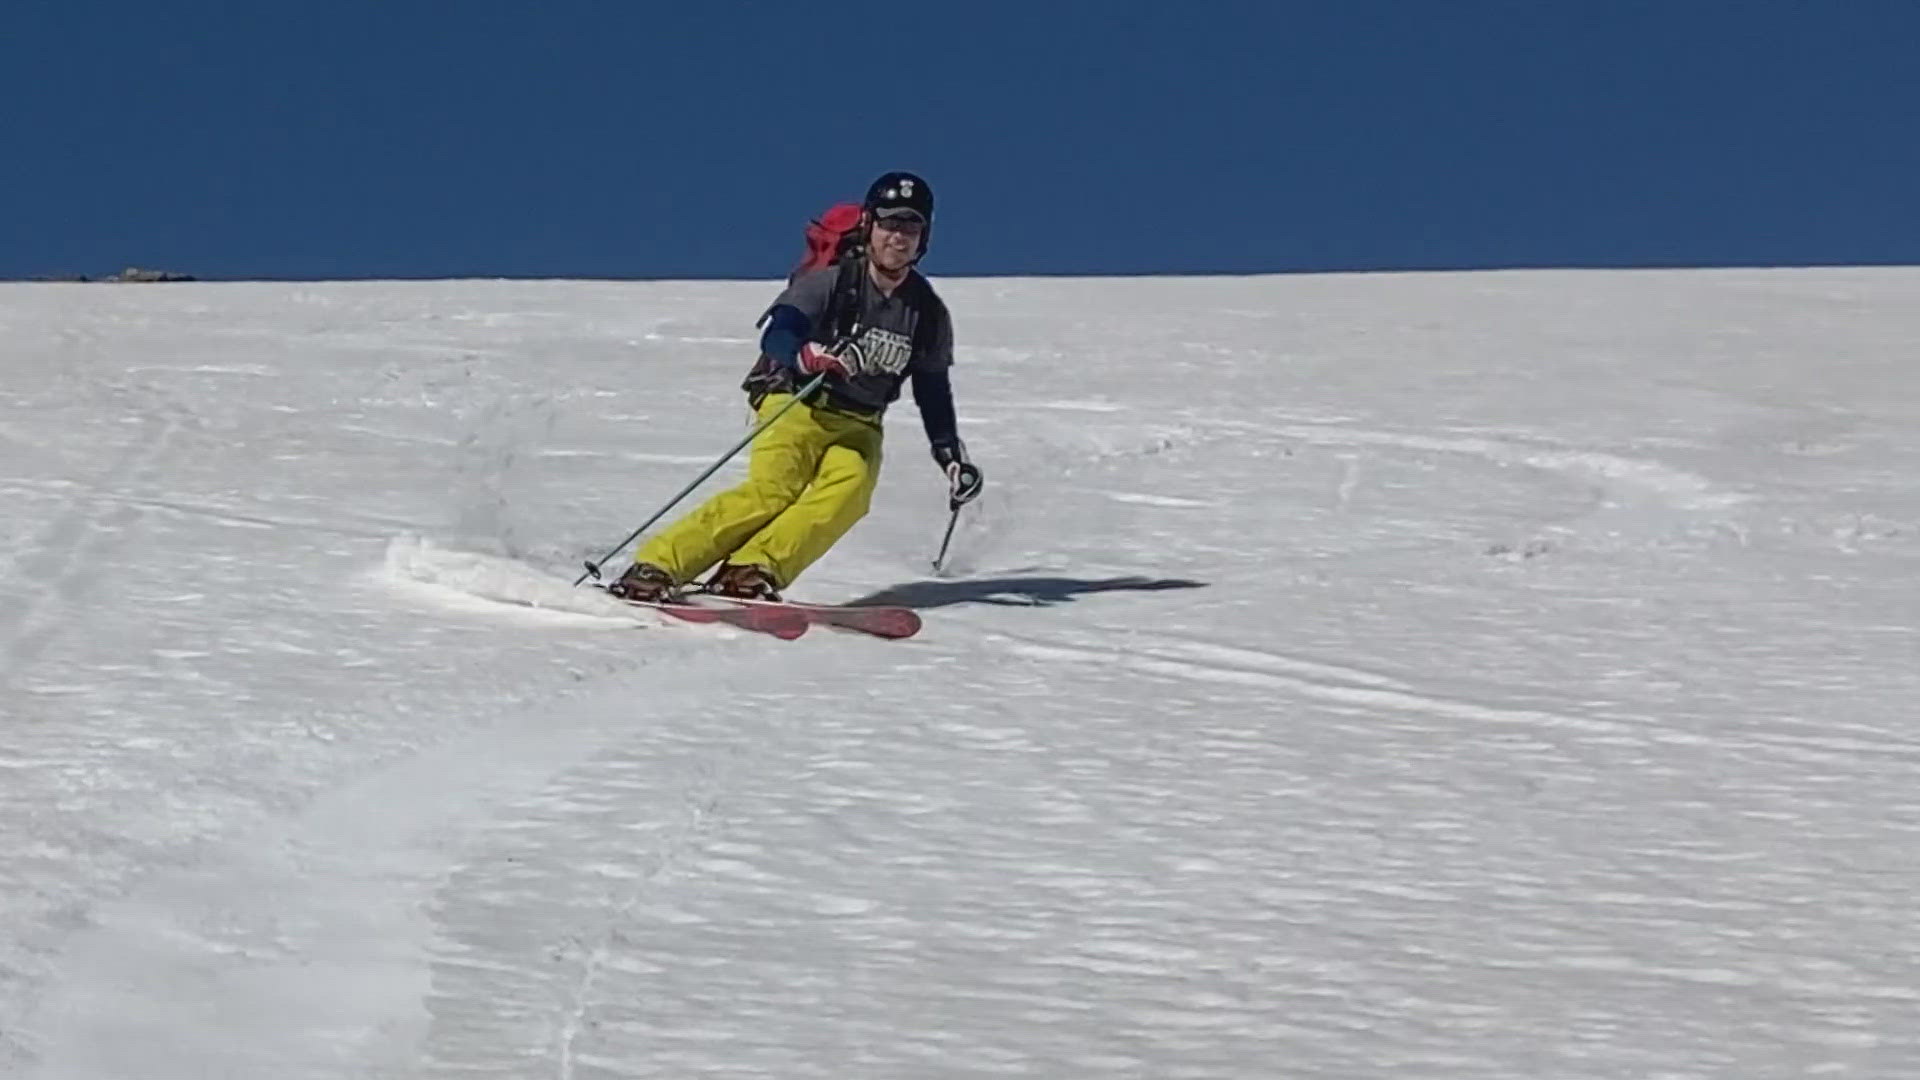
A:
(948, 539)
(593, 566)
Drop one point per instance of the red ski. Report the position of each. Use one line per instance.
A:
(880, 620)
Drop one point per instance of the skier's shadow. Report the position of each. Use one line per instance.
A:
(1015, 591)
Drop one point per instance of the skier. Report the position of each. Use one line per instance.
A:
(868, 323)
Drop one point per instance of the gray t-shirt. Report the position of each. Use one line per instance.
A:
(897, 335)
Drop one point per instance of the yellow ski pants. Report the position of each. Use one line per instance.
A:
(810, 477)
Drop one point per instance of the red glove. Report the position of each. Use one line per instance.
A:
(815, 361)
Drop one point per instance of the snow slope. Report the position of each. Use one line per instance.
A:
(1499, 675)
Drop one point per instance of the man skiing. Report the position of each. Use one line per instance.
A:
(868, 324)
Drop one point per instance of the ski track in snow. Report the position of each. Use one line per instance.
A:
(1514, 712)
(54, 561)
(1621, 477)
(1212, 663)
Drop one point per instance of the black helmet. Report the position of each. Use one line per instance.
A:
(897, 191)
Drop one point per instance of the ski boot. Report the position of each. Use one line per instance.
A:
(644, 582)
(743, 583)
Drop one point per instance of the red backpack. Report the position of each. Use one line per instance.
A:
(830, 237)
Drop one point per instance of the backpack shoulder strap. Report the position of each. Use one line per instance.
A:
(843, 311)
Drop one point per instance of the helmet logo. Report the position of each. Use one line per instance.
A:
(906, 189)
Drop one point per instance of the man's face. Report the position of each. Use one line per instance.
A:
(896, 240)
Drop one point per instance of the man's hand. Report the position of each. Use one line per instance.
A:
(964, 479)
(964, 482)
(816, 361)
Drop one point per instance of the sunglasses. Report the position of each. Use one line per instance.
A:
(909, 225)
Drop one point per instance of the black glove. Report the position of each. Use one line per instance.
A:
(964, 480)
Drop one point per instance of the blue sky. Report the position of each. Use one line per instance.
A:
(401, 139)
